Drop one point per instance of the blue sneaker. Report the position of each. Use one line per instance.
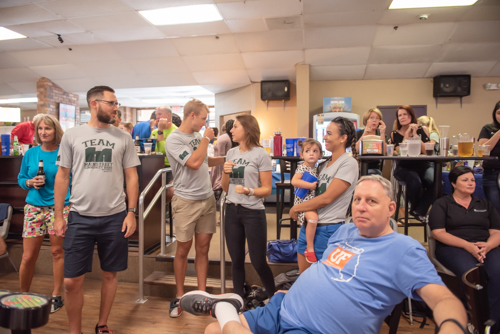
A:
(203, 303)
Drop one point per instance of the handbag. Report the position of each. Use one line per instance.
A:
(282, 251)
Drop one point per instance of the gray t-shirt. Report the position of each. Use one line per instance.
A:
(246, 173)
(345, 169)
(97, 158)
(190, 184)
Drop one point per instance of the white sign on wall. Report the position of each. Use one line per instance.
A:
(10, 114)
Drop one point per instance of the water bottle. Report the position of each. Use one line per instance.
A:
(278, 144)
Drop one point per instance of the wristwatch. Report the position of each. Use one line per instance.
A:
(160, 132)
(134, 210)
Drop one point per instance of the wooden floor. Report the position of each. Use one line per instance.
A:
(131, 318)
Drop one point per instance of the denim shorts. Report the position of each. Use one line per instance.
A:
(83, 233)
(323, 234)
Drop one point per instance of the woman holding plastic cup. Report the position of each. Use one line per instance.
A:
(247, 180)
(417, 175)
(374, 126)
(490, 135)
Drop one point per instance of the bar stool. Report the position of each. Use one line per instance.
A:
(405, 220)
(281, 188)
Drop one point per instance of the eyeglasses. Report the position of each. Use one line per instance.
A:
(110, 103)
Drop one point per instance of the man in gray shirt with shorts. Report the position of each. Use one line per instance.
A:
(101, 157)
(193, 204)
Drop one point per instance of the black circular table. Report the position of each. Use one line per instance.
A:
(20, 312)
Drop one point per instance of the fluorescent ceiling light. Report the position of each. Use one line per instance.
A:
(398, 4)
(6, 34)
(182, 15)
(20, 100)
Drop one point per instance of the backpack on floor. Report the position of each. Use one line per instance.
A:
(285, 280)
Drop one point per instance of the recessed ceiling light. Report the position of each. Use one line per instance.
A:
(20, 100)
(6, 34)
(398, 4)
(182, 15)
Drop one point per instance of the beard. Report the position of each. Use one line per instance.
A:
(103, 117)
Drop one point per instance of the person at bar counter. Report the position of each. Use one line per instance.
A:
(467, 230)
(193, 204)
(365, 272)
(374, 126)
(490, 135)
(24, 131)
(337, 177)
(144, 129)
(247, 179)
(102, 158)
(39, 208)
(417, 175)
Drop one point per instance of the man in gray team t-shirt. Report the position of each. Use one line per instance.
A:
(193, 204)
(101, 157)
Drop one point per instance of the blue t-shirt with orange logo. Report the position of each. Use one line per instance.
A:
(357, 283)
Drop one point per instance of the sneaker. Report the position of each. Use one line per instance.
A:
(175, 309)
(418, 217)
(103, 329)
(310, 256)
(203, 303)
(57, 303)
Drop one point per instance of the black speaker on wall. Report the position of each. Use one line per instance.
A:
(275, 90)
(452, 85)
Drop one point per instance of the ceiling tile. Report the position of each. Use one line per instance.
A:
(93, 52)
(195, 29)
(13, 3)
(76, 85)
(129, 34)
(121, 80)
(321, 38)
(411, 16)
(483, 13)
(476, 69)
(342, 19)
(22, 44)
(275, 59)
(262, 8)
(81, 38)
(404, 54)
(76, 8)
(173, 79)
(25, 14)
(292, 22)
(8, 61)
(337, 56)
(395, 71)
(232, 61)
(47, 28)
(158, 65)
(329, 6)
(157, 4)
(51, 56)
(414, 34)
(476, 32)
(464, 52)
(206, 45)
(257, 75)
(53, 41)
(222, 77)
(17, 75)
(146, 49)
(106, 67)
(24, 87)
(495, 71)
(55, 72)
(7, 90)
(247, 25)
(111, 21)
(345, 72)
(276, 40)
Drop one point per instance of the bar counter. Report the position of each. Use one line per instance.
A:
(12, 193)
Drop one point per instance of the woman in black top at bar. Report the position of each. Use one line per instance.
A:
(467, 230)
(417, 175)
(490, 135)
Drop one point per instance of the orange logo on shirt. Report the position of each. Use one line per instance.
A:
(338, 258)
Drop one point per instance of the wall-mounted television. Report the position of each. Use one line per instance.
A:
(67, 116)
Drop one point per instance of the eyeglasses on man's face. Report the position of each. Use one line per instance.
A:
(110, 103)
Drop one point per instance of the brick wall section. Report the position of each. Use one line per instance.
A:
(50, 95)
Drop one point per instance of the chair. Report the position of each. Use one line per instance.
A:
(406, 220)
(4, 231)
(476, 294)
(281, 188)
(431, 242)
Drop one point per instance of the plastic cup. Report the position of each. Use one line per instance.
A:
(301, 192)
(390, 150)
(290, 147)
(429, 149)
(403, 149)
(483, 150)
(147, 148)
(443, 129)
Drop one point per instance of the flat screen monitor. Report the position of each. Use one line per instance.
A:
(67, 116)
(10, 114)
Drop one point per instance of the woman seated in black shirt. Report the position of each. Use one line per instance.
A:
(467, 231)
(417, 175)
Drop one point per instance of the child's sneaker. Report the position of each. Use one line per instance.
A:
(57, 303)
(310, 256)
(203, 303)
(175, 308)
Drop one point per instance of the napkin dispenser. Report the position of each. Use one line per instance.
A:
(371, 145)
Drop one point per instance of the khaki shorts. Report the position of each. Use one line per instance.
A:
(193, 216)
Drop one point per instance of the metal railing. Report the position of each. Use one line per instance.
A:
(222, 202)
(142, 216)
